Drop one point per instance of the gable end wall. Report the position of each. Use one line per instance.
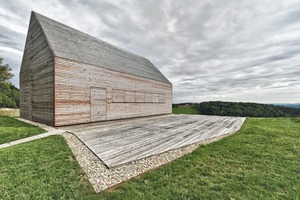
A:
(37, 77)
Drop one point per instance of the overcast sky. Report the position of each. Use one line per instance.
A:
(230, 50)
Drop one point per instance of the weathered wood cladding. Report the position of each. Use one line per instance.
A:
(72, 44)
(98, 104)
(63, 81)
(123, 142)
(36, 77)
(126, 95)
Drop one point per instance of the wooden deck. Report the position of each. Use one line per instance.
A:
(119, 142)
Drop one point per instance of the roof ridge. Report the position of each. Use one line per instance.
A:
(107, 43)
(34, 14)
(73, 44)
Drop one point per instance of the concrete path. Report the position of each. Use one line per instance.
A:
(28, 139)
(51, 131)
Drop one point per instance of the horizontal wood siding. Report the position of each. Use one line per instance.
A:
(126, 95)
(140, 97)
(148, 97)
(118, 96)
(129, 96)
(98, 104)
(36, 77)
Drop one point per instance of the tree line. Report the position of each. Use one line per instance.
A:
(9, 94)
(242, 109)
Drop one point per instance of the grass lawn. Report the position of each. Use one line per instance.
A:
(41, 169)
(185, 110)
(262, 161)
(12, 129)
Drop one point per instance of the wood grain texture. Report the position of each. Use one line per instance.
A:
(124, 141)
(98, 104)
(127, 96)
(62, 91)
(37, 77)
(81, 47)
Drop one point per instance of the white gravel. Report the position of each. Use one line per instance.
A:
(102, 177)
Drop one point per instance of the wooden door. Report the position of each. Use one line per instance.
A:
(98, 104)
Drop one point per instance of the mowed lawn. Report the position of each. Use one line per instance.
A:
(185, 110)
(12, 129)
(262, 161)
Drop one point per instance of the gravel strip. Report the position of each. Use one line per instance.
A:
(102, 177)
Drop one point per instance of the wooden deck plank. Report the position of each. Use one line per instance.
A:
(119, 142)
(159, 146)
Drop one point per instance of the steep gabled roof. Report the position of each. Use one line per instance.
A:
(72, 44)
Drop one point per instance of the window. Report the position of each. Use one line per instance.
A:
(162, 98)
(129, 96)
(140, 97)
(155, 98)
(119, 96)
(124, 96)
(148, 98)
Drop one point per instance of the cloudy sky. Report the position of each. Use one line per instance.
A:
(230, 50)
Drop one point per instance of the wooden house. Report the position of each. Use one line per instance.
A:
(69, 77)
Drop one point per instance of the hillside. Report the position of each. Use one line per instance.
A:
(241, 109)
(290, 105)
(259, 162)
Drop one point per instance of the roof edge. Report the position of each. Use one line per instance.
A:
(40, 17)
(107, 43)
(34, 14)
(159, 71)
(114, 70)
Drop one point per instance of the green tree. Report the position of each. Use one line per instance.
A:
(9, 94)
(5, 72)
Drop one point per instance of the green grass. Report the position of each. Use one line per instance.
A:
(12, 129)
(185, 110)
(41, 169)
(262, 161)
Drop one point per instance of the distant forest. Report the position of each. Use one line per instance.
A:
(291, 105)
(241, 109)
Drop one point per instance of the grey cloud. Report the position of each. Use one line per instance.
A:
(210, 50)
(12, 39)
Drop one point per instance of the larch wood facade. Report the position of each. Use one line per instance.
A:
(68, 77)
(37, 77)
